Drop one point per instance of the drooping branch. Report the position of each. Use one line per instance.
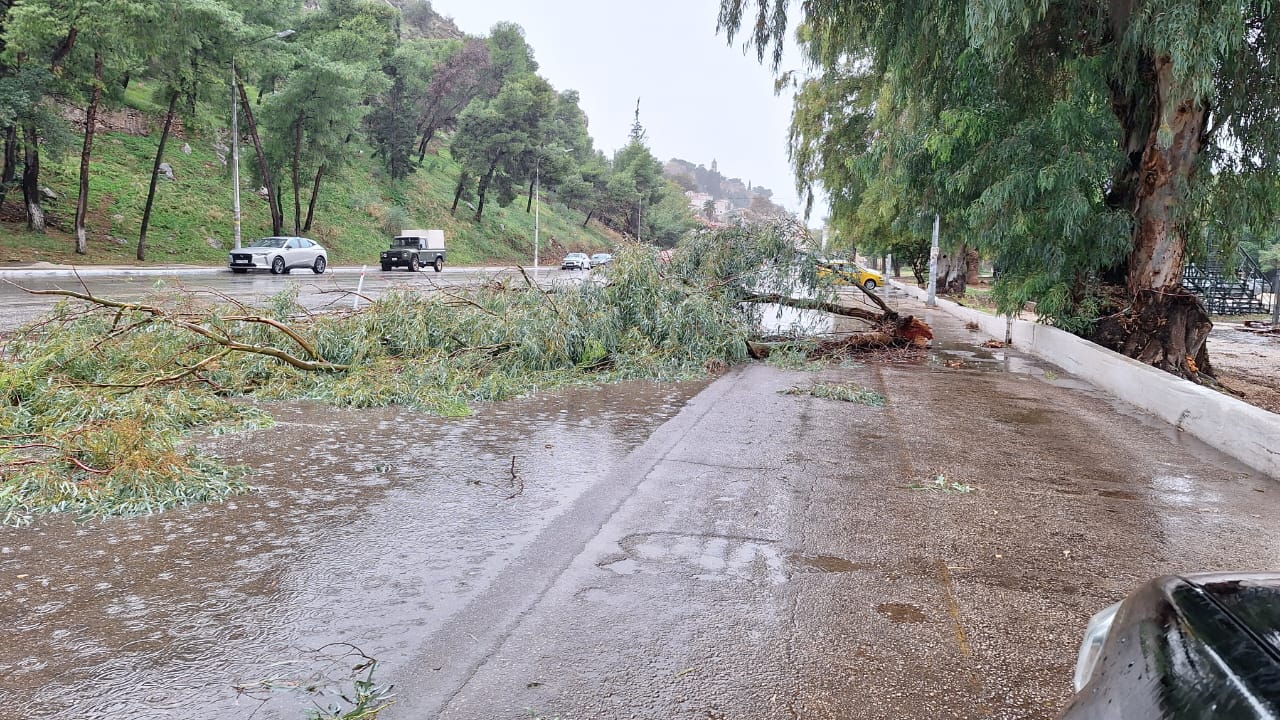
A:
(226, 341)
(833, 308)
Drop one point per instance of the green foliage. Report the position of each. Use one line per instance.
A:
(95, 407)
(845, 392)
(1025, 125)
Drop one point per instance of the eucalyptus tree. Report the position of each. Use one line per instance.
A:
(1075, 137)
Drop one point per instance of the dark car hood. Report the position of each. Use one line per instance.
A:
(1193, 646)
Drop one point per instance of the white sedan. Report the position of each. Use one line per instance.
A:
(280, 255)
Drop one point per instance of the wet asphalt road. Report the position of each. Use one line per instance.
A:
(663, 551)
(315, 292)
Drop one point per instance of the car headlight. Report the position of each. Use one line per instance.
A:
(1095, 636)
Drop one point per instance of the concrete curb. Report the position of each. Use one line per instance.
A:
(1246, 433)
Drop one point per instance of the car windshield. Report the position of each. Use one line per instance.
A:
(574, 256)
(405, 242)
(270, 242)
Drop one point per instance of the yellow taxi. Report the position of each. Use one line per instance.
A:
(844, 272)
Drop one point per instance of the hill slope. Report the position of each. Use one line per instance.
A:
(192, 218)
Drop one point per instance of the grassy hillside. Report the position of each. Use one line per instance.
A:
(191, 220)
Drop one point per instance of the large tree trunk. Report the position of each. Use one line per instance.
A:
(31, 177)
(1164, 325)
(315, 193)
(953, 269)
(10, 161)
(264, 171)
(155, 175)
(90, 124)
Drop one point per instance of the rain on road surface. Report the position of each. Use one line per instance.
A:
(314, 291)
(711, 550)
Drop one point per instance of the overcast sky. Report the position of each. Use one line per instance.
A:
(700, 99)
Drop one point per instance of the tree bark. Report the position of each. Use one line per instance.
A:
(315, 193)
(952, 271)
(10, 161)
(31, 177)
(457, 193)
(264, 171)
(484, 185)
(589, 214)
(90, 125)
(1162, 324)
(155, 174)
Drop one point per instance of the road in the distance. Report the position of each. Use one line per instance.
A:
(18, 307)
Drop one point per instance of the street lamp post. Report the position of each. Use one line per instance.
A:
(235, 134)
(537, 207)
(537, 203)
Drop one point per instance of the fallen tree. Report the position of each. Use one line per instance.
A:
(97, 398)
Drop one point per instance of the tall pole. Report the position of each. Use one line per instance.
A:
(639, 216)
(537, 205)
(235, 154)
(933, 264)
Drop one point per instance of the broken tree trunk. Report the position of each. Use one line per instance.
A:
(886, 329)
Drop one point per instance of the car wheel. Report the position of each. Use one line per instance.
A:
(239, 271)
(277, 266)
(413, 264)
(870, 284)
(318, 268)
(386, 267)
(439, 263)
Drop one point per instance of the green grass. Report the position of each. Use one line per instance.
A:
(191, 221)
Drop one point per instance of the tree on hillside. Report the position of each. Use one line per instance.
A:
(509, 54)
(1079, 133)
(318, 108)
(45, 32)
(495, 136)
(199, 39)
(310, 122)
(391, 120)
(461, 78)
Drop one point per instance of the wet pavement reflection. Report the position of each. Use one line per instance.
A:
(368, 527)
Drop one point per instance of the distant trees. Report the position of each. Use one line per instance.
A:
(345, 81)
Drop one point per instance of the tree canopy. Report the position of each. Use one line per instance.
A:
(1085, 145)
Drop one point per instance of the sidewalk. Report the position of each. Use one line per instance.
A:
(1245, 432)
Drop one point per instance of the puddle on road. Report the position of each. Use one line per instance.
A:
(368, 527)
(718, 558)
(900, 613)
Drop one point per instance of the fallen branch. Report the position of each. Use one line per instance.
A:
(810, 304)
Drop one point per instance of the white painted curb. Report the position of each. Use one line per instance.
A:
(1246, 433)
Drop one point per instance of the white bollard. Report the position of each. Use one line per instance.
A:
(355, 301)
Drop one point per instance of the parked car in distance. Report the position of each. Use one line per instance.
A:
(279, 255)
(1181, 647)
(414, 249)
(576, 261)
(601, 259)
(843, 272)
